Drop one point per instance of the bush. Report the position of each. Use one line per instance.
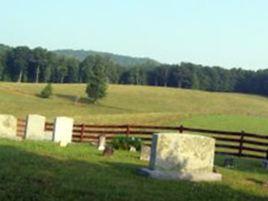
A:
(47, 91)
(124, 143)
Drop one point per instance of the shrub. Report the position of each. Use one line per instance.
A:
(124, 143)
(47, 91)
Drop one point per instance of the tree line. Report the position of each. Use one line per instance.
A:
(22, 64)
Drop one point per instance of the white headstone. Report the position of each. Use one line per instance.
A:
(35, 127)
(145, 153)
(182, 156)
(63, 130)
(8, 126)
(102, 142)
(132, 149)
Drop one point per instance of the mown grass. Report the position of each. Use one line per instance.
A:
(229, 122)
(140, 105)
(45, 171)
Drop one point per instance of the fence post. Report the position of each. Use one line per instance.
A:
(181, 129)
(128, 131)
(21, 128)
(241, 144)
(82, 132)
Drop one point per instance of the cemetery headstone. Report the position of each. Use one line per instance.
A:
(35, 127)
(108, 151)
(182, 157)
(63, 130)
(229, 162)
(8, 127)
(102, 142)
(132, 149)
(265, 164)
(145, 152)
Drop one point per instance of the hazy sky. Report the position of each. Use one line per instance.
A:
(229, 33)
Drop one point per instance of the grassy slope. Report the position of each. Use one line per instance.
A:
(44, 171)
(141, 104)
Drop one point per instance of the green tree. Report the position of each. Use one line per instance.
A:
(72, 70)
(195, 81)
(97, 82)
(2, 66)
(38, 65)
(113, 71)
(60, 69)
(47, 91)
(18, 62)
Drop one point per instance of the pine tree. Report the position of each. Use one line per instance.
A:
(97, 84)
(47, 91)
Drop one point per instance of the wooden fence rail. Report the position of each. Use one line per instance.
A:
(21, 126)
(240, 144)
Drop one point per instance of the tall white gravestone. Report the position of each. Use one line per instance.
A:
(8, 126)
(102, 142)
(35, 127)
(63, 130)
(182, 156)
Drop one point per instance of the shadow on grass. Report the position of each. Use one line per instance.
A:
(116, 108)
(73, 99)
(29, 176)
(86, 101)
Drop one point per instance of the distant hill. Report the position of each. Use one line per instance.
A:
(120, 59)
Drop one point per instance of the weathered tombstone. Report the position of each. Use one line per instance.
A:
(132, 149)
(102, 142)
(265, 164)
(145, 153)
(183, 157)
(108, 151)
(35, 127)
(229, 162)
(63, 130)
(8, 126)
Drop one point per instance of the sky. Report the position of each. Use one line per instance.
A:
(227, 33)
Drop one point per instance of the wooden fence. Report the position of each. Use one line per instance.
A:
(21, 126)
(241, 144)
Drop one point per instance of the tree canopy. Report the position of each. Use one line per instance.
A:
(22, 64)
(97, 77)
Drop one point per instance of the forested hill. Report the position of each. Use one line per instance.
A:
(122, 60)
(22, 64)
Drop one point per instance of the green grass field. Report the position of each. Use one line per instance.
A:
(45, 171)
(141, 105)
